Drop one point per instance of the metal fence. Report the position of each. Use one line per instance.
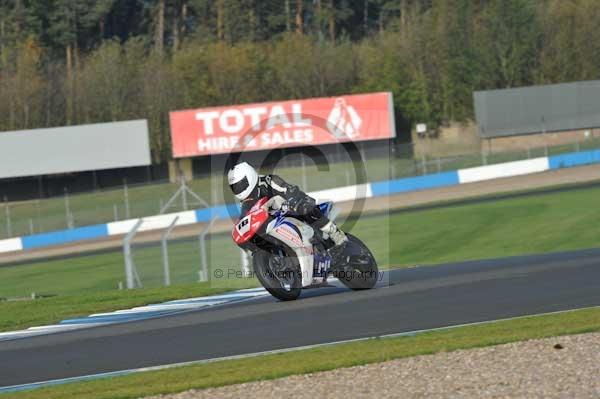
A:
(170, 257)
(135, 201)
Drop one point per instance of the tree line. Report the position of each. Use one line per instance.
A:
(66, 62)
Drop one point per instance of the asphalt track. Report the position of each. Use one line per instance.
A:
(416, 299)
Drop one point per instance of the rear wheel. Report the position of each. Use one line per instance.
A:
(279, 274)
(361, 271)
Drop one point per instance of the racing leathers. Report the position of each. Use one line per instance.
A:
(299, 205)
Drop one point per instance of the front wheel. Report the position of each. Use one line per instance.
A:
(360, 272)
(279, 274)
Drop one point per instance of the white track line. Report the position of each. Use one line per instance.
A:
(165, 308)
(145, 312)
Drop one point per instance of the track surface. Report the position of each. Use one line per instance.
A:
(418, 298)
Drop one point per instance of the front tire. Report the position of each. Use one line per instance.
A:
(361, 273)
(284, 284)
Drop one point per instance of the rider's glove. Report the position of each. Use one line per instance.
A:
(301, 205)
(276, 203)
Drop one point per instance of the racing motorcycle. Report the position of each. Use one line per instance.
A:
(288, 255)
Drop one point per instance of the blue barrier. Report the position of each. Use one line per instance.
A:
(65, 236)
(415, 183)
(220, 211)
(574, 159)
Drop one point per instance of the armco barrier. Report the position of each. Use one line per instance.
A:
(497, 171)
(221, 211)
(367, 190)
(64, 236)
(574, 159)
(414, 183)
(341, 194)
(11, 245)
(152, 222)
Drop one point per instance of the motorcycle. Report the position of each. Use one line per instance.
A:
(288, 255)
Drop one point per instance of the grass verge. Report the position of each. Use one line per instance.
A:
(323, 358)
(19, 315)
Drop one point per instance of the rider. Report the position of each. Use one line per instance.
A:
(248, 186)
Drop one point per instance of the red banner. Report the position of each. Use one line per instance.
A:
(295, 123)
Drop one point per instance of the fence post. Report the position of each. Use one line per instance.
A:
(214, 192)
(544, 136)
(303, 166)
(68, 214)
(31, 230)
(184, 194)
(126, 195)
(39, 215)
(165, 251)
(116, 212)
(183, 190)
(8, 221)
(203, 273)
(363, 154)
(130, 271)
(245, 261)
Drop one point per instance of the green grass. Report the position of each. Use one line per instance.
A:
(324, 358)
(103, 272)
(84, 285)
(542, 223)
(22, 314)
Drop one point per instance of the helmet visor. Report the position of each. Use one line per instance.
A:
(240, 186)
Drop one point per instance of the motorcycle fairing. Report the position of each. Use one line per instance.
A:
(296, 235)
(325, 207)
(249, 224)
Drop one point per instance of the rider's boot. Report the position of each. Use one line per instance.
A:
(338, 237)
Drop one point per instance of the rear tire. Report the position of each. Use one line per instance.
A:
(362, 272)
(275, 286)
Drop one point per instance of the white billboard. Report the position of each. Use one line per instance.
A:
(74, 149)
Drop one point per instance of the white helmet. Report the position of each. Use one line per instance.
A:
(243, 179)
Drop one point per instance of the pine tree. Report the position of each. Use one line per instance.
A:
(508, 40)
